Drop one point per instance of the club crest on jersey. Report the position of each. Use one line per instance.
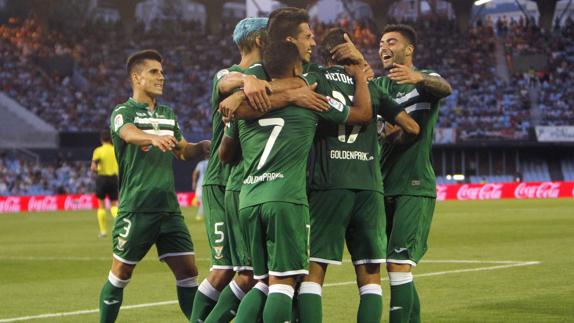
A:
(118, 122)
(218, 252)
(121, 244)
(335, 104)
(155, 125)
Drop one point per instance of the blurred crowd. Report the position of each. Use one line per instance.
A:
(21, 176)
(73, 78)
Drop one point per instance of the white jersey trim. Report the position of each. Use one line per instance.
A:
(325, 261)
(175, 254)
(402, 262)
(169, 122)
(128, 262)
(159, 132)
(369, 261)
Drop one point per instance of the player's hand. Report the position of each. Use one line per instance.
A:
(347, 50)
(164, 143)
(257, 92)
(369, 73)
(403, 74)
(228, 106)
(356, 71)
(306, 97)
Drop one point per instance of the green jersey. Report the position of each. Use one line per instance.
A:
(217, 172)
(145, 173)
(347, 157)
(276, 148)
(235, 179)
(407, 169)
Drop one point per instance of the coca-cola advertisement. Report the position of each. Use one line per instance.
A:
(497, 191)
(461, 192)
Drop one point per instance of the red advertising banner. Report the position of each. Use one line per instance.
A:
(462, 192)
(42, 203)
(497, 191)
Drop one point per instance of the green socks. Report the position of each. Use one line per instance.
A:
(226, 307)
(279, 302)
(371, 304)
(251, 308)
(416, 311)
(204, 301)
(186, 289)
(309, 303)
(402, 297)
(111, 298)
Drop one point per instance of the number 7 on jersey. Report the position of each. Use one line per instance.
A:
(277, 124)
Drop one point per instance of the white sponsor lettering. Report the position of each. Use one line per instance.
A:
(265, 177)
(10, 204)
(485, 192)
(350, 155)
(82, 202)
(543, 190)
(43, 203)
(340, 78)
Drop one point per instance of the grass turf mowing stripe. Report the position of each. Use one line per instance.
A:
(437, 273)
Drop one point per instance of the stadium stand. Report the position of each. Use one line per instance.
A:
(535, 171)
(567, 166)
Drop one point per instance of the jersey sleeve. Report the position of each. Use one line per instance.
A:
(120, 117)
(231, 129)
(96, 155)
(337, 113)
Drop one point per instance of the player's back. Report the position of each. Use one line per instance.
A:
(107, 163)
(346, 156)
(275, 152)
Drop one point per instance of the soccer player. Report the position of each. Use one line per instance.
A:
(197, 186)
(346, 193)
(146, 137)
(105, 165)
(408, 176)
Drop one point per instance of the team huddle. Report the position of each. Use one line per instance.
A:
(304, 159)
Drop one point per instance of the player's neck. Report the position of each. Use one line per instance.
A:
(141, 97)
(249, 59)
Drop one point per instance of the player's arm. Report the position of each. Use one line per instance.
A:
(132, 135)
(431, 83)
(361, 112)
(95, 160)
(256, 91)
(230, 149)
(194, 177)
(192, 151)
(348, 51)
(236, 107)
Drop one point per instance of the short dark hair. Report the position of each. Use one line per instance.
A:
(405, 30)
(280, 57)
(105, 136)
(333, 37)
(284, 22)
(137, 58)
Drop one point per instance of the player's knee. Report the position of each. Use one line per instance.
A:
(400, 278)
(219, 278)
(368, 274)
(317, 272)
(245, 280)
(392, 267)
(122, 271)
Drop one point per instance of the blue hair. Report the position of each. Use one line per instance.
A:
(247, 26)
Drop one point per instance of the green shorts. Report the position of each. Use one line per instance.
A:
(277, 235)
(215, 226)
(408, 225)
(134, 234)
(238, 250)
(357, 217)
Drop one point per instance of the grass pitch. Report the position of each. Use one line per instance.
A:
(489, 261)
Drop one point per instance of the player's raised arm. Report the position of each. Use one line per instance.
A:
(432, 82)
(361, 112)
(348, 51)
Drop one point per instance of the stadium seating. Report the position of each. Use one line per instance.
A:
(535, 171)
(567, 166)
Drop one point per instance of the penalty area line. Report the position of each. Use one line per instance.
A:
(129, 307)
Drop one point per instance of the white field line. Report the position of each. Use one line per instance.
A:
(505, 264)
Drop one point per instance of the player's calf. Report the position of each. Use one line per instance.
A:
(403, 292)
